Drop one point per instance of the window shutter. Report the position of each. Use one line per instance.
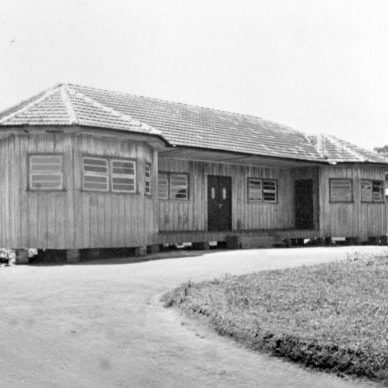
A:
(179, 186)
(341, 190)
(45, 172)
(123, 176)
(95, 174)
(163, 186)
(254, 189)
(147, 178)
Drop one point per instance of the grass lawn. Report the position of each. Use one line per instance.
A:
(330, 316)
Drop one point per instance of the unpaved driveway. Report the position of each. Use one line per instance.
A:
(101, 325)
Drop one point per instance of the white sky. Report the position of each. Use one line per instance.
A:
(311, 64)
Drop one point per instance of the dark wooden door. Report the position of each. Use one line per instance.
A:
(219, 203)
(304, 206)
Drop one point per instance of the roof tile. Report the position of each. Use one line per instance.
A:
(180, 124)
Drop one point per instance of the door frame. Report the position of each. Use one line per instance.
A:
(229, 178)
(313, 210)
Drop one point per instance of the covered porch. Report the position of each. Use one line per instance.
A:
(257, 201)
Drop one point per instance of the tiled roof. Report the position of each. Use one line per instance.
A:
(64, 105)
(179, 124)
(337, 150)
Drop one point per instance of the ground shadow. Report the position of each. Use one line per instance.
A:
(106, 259)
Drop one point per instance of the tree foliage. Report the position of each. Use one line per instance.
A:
(382, 150)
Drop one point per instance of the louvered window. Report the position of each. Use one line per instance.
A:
(372, 191)
(123, 176)
(179, 186)
(341, 190)
(163, 186)
(45, 172)
(173, 186)
(147, 178)
(95, 174)
(269, 190)
(255, 189)
(262, 190)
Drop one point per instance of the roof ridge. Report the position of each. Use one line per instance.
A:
(112, 111)
(47, 93)
(258, 118)
(69, 106)
(345, 146)
(283, 126)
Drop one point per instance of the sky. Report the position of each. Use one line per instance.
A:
(319, 66)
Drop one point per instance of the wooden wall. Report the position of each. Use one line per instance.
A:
(72, 218)
(355, 219)
(191, 215)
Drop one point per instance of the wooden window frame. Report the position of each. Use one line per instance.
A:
(168, 174)
(351, 188)
(187, 186)
(372, 181)
(30, 173)
(109, 160)
(96, 174)
(249, 179)
(276, 190)
(129, 176)
(148, 180)
(168, 189)
(262, 200)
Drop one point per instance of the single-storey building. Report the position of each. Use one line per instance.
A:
(84, 168)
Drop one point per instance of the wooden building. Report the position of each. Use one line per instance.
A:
(85, 168)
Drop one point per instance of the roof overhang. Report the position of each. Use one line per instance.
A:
(220, 156)
(360, 163)
(156, 141)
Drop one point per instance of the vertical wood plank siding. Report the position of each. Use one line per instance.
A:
(355, 219)
(191, 215)
(73, 218)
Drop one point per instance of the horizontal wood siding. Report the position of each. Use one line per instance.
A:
(73, 218)
(355, 219)
(191, 215)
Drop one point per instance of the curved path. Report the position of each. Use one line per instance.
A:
(101, 325)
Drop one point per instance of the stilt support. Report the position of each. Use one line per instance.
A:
(233, 242)
(93, 253)
(140, 251)
(73, 255)
(21, 256)
(202, 246)
(151, 249)
(384, 240)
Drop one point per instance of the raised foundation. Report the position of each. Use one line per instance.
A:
(21, 256)
(384, 240)
(202, 246)
(140, 251)
(233, 242)
(93, 253)
(151, 249)
(73, 255)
